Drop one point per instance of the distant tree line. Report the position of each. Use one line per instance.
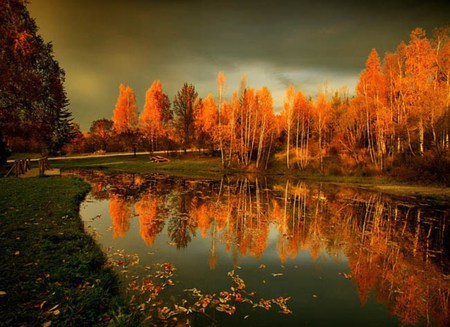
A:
(34, 113)
(397, 121)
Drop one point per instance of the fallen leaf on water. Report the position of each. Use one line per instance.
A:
(347, 276)
(277, 274)
(262, 266)
(314, 296)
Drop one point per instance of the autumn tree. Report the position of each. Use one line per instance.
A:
(101, 132)
(287, 114)
(33, 101)
(156, 115)
(221, 89)
(125, 117)
(321, 112)
(266, 127)
(371, 89)
(206, 123)
(184, 108)
(302, 121)
(419, 70)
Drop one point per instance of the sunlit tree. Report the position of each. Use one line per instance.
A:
(125, 117)
(156, 115)
(206, 123)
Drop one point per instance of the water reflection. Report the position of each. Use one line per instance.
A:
(396, 248)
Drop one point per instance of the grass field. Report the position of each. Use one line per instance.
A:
(51, 271)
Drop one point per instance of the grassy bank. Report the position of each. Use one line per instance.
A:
(51, 270)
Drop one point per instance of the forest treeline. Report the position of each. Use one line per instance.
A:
(398, 121)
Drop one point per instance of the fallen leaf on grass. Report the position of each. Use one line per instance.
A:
(277, 274)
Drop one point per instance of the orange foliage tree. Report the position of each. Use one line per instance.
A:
(125, 117)
(371, 93)
(156, 115)
(206, 123)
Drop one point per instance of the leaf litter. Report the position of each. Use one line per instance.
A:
(145, 293)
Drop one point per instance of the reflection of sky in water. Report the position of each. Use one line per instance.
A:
(320, 294)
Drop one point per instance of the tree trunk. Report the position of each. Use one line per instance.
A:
(421, 136)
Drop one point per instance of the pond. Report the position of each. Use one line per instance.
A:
(254, 252)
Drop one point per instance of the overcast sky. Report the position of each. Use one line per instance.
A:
(102, 43)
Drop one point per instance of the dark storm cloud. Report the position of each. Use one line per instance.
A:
(103, 43)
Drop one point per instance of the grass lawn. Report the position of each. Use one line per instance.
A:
(51, 271)
(191, 166)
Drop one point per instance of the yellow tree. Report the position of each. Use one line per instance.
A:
(372, 92)
(221, 89)
(301, 119)
(206, 123)
(265, 126)
(287, 114)
(394, 74)
(155, 115)
(441, 46)
(125, 116)
(321, 115)
(247, 114)
(420, 71)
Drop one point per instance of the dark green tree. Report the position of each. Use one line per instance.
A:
(33, 102)
(183, 108)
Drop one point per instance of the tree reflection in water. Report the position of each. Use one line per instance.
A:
(398, 249)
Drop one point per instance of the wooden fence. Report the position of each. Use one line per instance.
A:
(21, 166)
(43, 166)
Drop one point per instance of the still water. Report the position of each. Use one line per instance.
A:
(343, 256)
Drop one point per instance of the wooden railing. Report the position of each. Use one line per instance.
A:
(43, 165)
(19, 167)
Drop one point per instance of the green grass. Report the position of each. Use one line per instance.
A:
(51, 269)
